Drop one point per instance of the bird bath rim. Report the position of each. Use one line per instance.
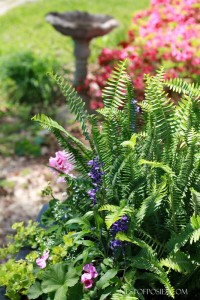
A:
(81, 25)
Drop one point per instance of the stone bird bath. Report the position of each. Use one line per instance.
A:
(82, 27)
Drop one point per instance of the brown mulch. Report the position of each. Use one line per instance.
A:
(22, 180)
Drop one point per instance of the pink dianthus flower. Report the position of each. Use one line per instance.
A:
(41, 261)
(62, 163)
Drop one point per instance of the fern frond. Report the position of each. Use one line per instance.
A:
(158, 247)
(161, 107)
(100, 144)
(147, 259)
(81, 153)
(124, 294)
(80, 160)
(117, 213)
(118, 165)
(191, 281)
(114, 93)
(155, 164)
(130, 107)
(152, 203)
(50, 124)
(76, 104)
(179, 262)
(182, 120)
(195, 201)
(181, 86)
(177, 241)
(195, 222)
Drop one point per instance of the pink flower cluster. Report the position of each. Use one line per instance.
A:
(62, 162)
(167, 33)
(41, 261)
(87, 278)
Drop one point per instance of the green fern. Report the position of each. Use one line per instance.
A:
(117, 213)
(81, 153)
(124, 294)
(179, 262)
(113, 94)
(76, 104)
(181, 86)
(151, 174)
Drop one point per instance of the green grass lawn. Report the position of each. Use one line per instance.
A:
(24, 28)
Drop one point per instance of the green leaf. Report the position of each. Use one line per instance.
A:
(155, 164)
(54, 278)
(57, 276)
(104, 281)
(71, 277)
(117, 213)
(113, 94)
(76, 292)
(131, 143)
(109, 207)
(35, 291)
(108, 291)
(52, 125)
(61, 293)
(98, 220)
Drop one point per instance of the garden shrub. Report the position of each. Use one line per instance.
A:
(25, 80)
(26, 147)
(167, 33)
(131, 220)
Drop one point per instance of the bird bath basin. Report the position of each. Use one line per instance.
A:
(82, 27)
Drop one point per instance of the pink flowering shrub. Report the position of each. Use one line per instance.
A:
(167, 33)
(62, 163)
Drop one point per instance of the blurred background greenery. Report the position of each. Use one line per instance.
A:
(29, 48)
(25, 28)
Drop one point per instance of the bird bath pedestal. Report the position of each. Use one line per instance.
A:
(82, 27)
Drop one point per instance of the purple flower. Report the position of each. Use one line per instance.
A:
(96, 175)
(89, 268)
(87, 278)
(92, 194)
(114, 244)
(137, 108)
(120, 225)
